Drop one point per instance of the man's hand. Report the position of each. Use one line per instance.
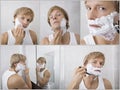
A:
(57, 38)
(19, 35)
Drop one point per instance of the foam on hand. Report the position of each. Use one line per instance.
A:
(63, 26)
(17, 23)
(107, 29)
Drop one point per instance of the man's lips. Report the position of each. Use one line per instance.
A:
(55, 22)
(98, 70)
(95, 26)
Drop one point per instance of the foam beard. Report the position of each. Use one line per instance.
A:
(63, 26)
(40, 66)
(18, 23)
(20, 68)
(93, 70)
(107, 29)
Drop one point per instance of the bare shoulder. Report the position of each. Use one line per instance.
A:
(47, 73)
(15, 81)
(82, 42)
(44, 41)
(107, 84)
(33, 36)
(78, 38)
(4, 38)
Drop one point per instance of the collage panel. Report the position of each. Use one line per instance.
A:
(15, 59)
(35, 67)
(83, 65)
(20, 22)
(99, 22)
(60, 22)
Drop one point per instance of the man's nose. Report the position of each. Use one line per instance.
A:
(92, 14)
(25, 21)
(98, 65)
(54, 17)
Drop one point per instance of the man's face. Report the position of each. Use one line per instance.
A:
(97, 9)
(20, 66)
(55, 19)
(25, 20)
(41, 64)
(94, 66)
(97, 62)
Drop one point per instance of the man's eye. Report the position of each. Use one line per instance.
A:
(22, 18)
(50, 17)
(58, 14)
(88, 8)
(94, 62)
(102, 64)
(102, 8)
(28, 20)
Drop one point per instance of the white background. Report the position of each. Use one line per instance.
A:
(83, 20)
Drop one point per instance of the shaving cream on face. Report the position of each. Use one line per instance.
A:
(41, 65)
(93, 70)
(20, 67)
(18, 23)
(105, 27)
(63, 26)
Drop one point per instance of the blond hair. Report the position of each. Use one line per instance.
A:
(62, 10)
(15, 58)
(24, 11)
(42, 59)
(93, 55)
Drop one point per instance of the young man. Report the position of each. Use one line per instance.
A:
(20, 34)
(17, 76)
(59, 21)
(103, 22)
(42, 73)
(89, 76)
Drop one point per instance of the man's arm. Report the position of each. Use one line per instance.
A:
(77, 38)
(28, 81)
(78, 75)
(45, 79)
(34, 37)
(44, 41)
(107, 84)
(16, 82)
(4, 38)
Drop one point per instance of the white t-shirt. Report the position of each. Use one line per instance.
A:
(89, 40)
(73, 40)
(100, 84)
(26, 41)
